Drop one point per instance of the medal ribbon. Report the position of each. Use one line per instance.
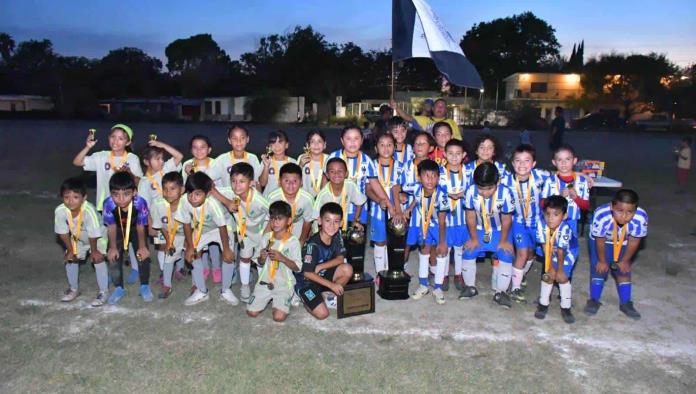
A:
(126, 234)
(112, 161)
(486, 213)
(457, 182)
(344, 197)
(274, 263)
(171, 231)
(293, 208)
(425, 220)
(548, 247)
(195, 164)
(527, 200)
(386, 182)
(75, 231)
(316, 183)
(247, 207)
(244, 158)
(151, 178)
(617, 245)
(199, 228)
(558, 182)
(276, 175)
(356, 167)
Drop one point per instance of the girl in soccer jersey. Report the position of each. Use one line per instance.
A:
(272, 160)
(313, 162)
(487, 149)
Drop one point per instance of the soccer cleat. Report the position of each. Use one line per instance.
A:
(165, 292)
(133, 276)
(592, 307)
(116, 296)
(245, 293)
(629, 310)
(541, 311)
(445, 284)
(503, 299)
(228, 296)
(146, 293)
(69, 295)
(439, 296)
(100, 299)
(517, 295)
(196, 298)
(567, 315)
(468, 293)
(217, 275)
(421, 292)
(459, 282)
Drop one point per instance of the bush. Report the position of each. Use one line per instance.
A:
(266, 106)
(526, 116)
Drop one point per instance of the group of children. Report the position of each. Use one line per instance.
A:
(287, 218)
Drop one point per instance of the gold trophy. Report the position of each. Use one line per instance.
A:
(153, 137)
(92, 134)
(306, 149)
(399, 229)
(269, 151)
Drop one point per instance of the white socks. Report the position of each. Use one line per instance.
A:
(161, 255)
(517, 276)
(442, 263)
(244, 273)
(423, 265)
(228, 274)
(102, 276)
(545, 293)
(566, 296)
(503, 279)
(458, 251)
(469, 272)
(528, 266)
(72, 270)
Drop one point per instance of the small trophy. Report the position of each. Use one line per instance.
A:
(269, 151)
(153, 137)
(306, 149)
(486, 238)
(92, 134)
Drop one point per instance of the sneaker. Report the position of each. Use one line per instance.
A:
(445, 284)
(517, 295)
(146, 293)
(541, 311)
(468, 293)
(160, 280)
(217, 275)
(629, 310)
(439, 296)
(133, 276)
(245, 293)
(567, 315)
(180, 275)
(165, 292)
(503, 299)
(295, 301)
(228, 296)
(100, 299)
(592, 307)
(331, 301)
(459, 282)
(116, 296)
(206, 273)
(421, 292)
(196, 298)
(69, 295)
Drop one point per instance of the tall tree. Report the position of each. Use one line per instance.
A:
(7, 46)
(128, 72)
(34, 66)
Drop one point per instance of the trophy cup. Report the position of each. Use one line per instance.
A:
(359, 294)
(92, 134)
(269, 151)
(153, 137)
(306, 149)
(393, 284)
(269, 285)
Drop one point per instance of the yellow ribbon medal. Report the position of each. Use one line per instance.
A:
(112, 161)
(75, 231)
(247, 207)
(154, 183)
(386, 182)
(126, 234)
(617, 243)
(455, 187)
(199, 228)
(548, 251)
(344, 197)
(527, 200)
(425, 220)
(171, 231)
(356, 168)
(316, 182)
(486, 214)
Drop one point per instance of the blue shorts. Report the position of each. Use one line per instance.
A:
(457, 235)
(491, 246)
(378, 230)
(415, 236)
(523, 236)
(608, 256)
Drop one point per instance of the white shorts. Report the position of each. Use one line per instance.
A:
(281, 296)
(252, 246)
(178, 250)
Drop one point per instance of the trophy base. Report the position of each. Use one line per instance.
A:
(393, 285)
(358, 299)
(360, 277)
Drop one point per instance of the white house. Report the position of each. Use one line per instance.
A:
(545, 91)
(232, 109)
(23, 103)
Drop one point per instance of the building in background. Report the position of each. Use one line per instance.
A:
(544, 91)
(25, 103)
(164, 108)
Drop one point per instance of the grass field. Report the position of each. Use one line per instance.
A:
(407, 346)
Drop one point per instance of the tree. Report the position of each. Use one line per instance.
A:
(520, 43)
(128, 72)
(7, 46)
(34, 68)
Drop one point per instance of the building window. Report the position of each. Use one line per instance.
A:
(518, 93)
(208, 108)
(539, 87)
(218, 110)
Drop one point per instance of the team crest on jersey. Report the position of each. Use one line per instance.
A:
(229, 169)
(271, 171)
(566, 237)
(165, 220)
(107, 166)
(308, 259)
(306, 170)
(309, 294)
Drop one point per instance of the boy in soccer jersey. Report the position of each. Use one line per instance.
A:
(617, 230)
(76, 223)
(567, 183)
(341, 191)
(560, 248)
(168, 229)
(280, 259)
(427, 229)
(527, 185)
(323, 263)
(300, 201)
(205, 222)
(125, 217)
(489, 207)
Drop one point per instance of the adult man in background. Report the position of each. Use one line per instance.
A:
(426, 123)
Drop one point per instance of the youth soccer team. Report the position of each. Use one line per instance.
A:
(212, 218)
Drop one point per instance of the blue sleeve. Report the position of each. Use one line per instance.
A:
(140, 206)
(108, 212)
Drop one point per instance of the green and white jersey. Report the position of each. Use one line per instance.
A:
(274, 174)
(291, 249)
(105, 165)
(150, 188)
(213, 219)
(163, 219)
(91, 226)
(252, 219)
(350, 194)
(210, 168)
(301, 209)
(226, 160)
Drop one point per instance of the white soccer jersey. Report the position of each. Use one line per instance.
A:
(301, 208)
(150, 186)
(103, 163)
(291, 249)
(163, 218)
(274, 174)
(528, 196)
(504, 204)
(388, 176)
(90, 227)
(405, 155)
(361, 169)
(454, 182)
(210, 168)
(555, 186)
(252, 218)
(350, 195)
(312, 175)
(603, 224)
(226, 160)
(563, 236)
(441, 204)
(213, 219)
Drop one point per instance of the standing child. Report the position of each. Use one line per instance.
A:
(313, 161)
(559, 245)
(567, 183)
(300, 201)
(205, 222)
(442, 132)
(273, 160)
(403, 152)
(77, 225)
(427, 229)
(125, 208)
(683, 154)
(238, 138)
(627, 224)
(341, 191)
(489, 207)
(280, 259)
(423, 144)
(487, 149)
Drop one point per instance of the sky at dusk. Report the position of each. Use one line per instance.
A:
(92, 28)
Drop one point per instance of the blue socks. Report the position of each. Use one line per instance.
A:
(423, 281)
(624, 290)
(596, 287)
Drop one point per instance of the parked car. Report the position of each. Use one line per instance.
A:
(654, 122)
(597, 120)
(684, 124)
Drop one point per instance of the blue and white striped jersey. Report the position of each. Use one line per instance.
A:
(361, 169)
(441, 205)
(531, 190)
(405, 155)
(387, 179)
(454, 182)
(556, 185)
(603, 224)
(504, 204)
(563, 238)
(470, 167)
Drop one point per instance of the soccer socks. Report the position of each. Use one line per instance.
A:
(167, 272)
(197, 275)
(102, 276)
(517, 276)
(161, 255)
(440, 268)
(244, 273)
(596, 288)
(144, 271)
(458, 251)
(566, 294)
(380, 253)
(214, 253)
(503, 279)
(423, 267)
(469, 272)
(227, 275)
(72, 270)
(545, 293)
(624, 290)
(132, 257)
(528, 266)
(494, 275)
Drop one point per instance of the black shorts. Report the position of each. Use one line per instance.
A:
(310, 293)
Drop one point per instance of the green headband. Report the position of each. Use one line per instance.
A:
(125, 128)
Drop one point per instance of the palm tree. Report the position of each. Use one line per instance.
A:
(7, 46)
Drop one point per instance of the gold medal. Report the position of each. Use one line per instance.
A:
(486, 213)
(356, 169)
(427, 215)
(487, 237)
(75, 231)
(126, 233)
(617, 243)
(548, 251)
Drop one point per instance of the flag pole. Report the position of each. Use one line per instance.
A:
(392, 80)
